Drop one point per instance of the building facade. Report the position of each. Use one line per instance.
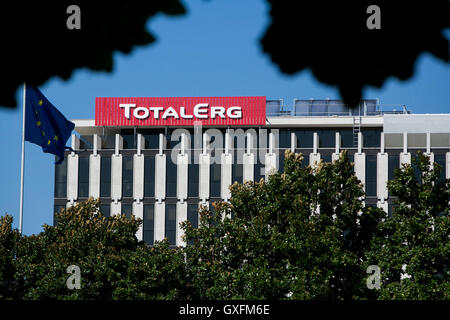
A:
(162, 172)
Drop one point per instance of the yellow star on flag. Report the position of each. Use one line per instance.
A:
(38, 123)
(40, 102)
(55, 138)
(49, 141)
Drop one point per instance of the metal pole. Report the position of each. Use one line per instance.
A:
(22, 163)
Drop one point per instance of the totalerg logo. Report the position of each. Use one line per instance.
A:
(200, 111)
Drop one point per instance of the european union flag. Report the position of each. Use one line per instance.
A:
(45, 125)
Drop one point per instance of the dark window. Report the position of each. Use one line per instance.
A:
(371, 138)
(391, 208)
(172, 140)
(393, 163)
(171, 177)
(346, 138)
(86, 142)
(327, 138)
(171, 223)
(149, 176)
(127, 176)
(129, 139)
(127, 210)
(105, 209)
(151, 138)
(237, 167)
(284, 139)
(281, 161)
(193, 177)
(263, 139)
(61, 179)
(304, 138)
(109, 141)
(57, 209)
(149, 223)
(215, 179)
(326, 157)
(83, 177)
(192, 215)
(259, 171)
(440, 160)
(415, 167)
(105, 176)
(371, 175)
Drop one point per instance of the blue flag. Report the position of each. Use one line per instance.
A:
(45, 125)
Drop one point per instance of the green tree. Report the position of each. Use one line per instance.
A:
(113, 264)
(8, 239)
(413, 247)
(302, 234)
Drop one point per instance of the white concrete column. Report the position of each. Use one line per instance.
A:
(181, 216)
(204, 172)
(382, 175)
(337, 146)
(182, 176)
(116, 208)
(293, 142)
(314, 158)
(405, 156)
(383, 205)
(248, 161)
(225, 179)
(447, 165)
(72, 177)
(97, 144)
(94, 175)
(138, 177)
(138, 212)
(140, 143)
(382, 142)
(75, 143)
(160, 221)
(360, 162)
(160, 177)
(428, 150)
(116, 177)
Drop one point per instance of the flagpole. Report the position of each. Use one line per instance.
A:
(23, 162)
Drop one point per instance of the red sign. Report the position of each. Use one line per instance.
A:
(209, 111)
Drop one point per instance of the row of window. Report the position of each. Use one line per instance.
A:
(170, 223)
(327, 138)
(193, 175)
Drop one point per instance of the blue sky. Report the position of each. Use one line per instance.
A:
(212, 51)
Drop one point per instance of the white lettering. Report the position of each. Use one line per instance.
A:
(145, 114)
(199, 111)
(156, 111)
(184, 115)
(220, 111)
(127, 107)
(234, 115)
(170, 112)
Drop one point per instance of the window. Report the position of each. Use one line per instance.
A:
(105, 209)
(371, 138)
(105, 176)
(108, 141)
(371, 175)
(215, 174)
(127, 176)
(149, 176)
(171, 176)
(57, 209)
(237, 167)
(127, 210)
(346, 138)
(415, 167)
(326, 157)
(192, 215)
(151, 138)
(149, 223)
(393, 163)
(193, 177)
(129, 141)
(61, 179)
(171, 223)
(327, 138)
(259, 171)
(87, 142)
(304, 138)
(83, 177)
(284, 139)
(281, 161)
(440, 160)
